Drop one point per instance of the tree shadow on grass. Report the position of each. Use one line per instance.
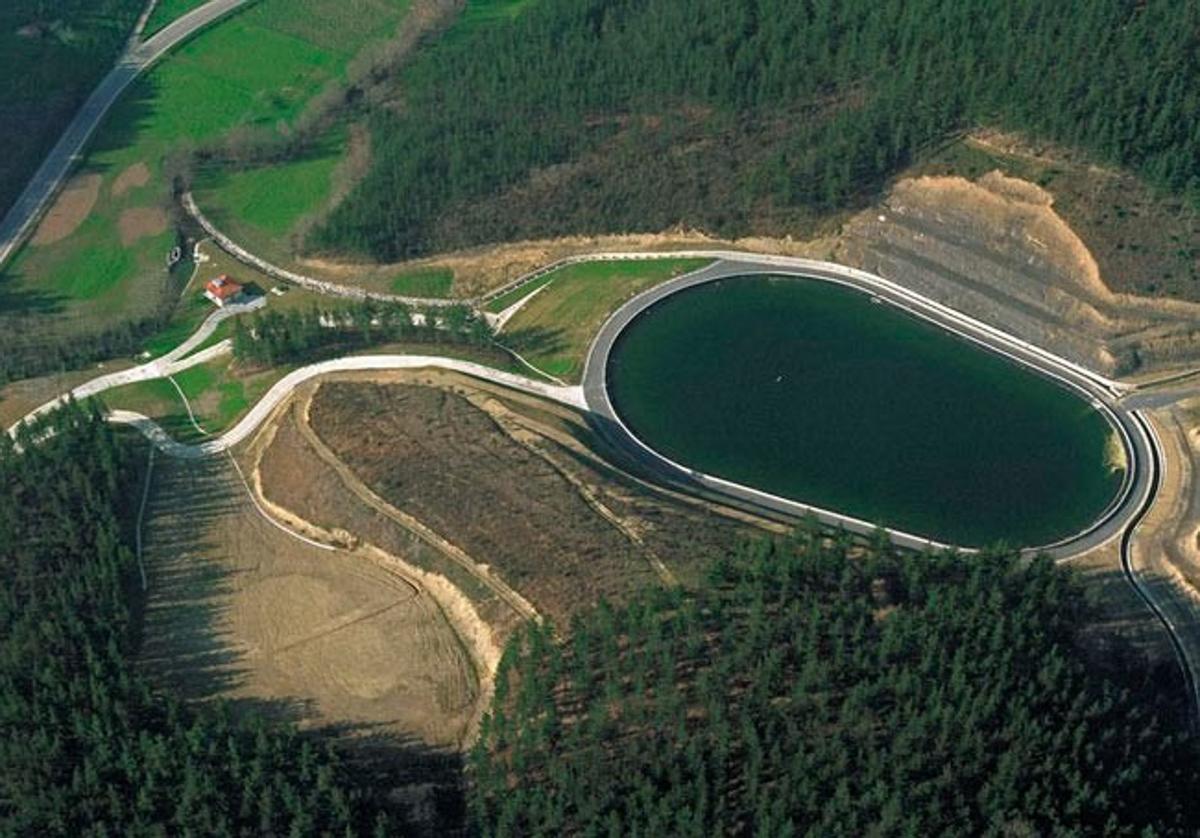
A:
(20, 299)
(535, 340)
(125, 123)
(182, 645)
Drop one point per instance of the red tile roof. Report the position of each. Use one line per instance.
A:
(223, 287)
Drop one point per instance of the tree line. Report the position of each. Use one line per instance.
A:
(301, 335)
(88, 745)
(811, 688)
(739, 115)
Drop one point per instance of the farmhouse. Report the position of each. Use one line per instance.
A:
(223, 290)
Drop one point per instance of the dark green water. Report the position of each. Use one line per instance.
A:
(809, 390)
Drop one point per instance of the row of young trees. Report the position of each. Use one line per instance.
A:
(753, 105)
(303, 335)
(24, 354)
(808, 692)
(87, 744)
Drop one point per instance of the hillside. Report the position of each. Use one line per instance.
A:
(52, 53)
(750, 116)
(808, 692)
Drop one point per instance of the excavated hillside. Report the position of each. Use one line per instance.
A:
(997, 249)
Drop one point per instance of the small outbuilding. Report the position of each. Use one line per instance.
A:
(224, 290)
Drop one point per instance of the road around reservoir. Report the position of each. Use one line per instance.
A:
(1104, 394)
(53, 172)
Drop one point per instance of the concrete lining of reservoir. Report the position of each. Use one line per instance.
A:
(1100, 393)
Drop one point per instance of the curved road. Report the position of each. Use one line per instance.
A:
(282, 389)
(46, 181)
(175, 361)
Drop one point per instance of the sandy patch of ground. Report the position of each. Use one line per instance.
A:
(69, 209)
(139, 222)
(130, 178)
(240, 609)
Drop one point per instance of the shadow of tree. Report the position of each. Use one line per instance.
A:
(428, 782)
(181, 642)
(535, 340)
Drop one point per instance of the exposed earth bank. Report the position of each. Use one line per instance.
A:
(996, 249)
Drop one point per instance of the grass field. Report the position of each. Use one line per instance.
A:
(554, 329)
(427, 282)
(167, 11)
(509, 297)
(218, 393)
(265, 208)
(266, 204)
(259, 67)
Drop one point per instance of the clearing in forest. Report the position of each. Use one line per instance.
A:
(240, 609)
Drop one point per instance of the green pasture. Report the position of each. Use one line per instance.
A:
(425, 282)
(554, 329)
(167, 11)
(259, 67)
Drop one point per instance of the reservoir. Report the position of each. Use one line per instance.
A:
(813, 391)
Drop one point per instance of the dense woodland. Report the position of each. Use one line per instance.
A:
(25, 353)
(87, 744)
(753, 115)
(296, 336)
(807, 693)
(52, 53)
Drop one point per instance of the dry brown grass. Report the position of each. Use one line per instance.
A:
(479, 270)
(432, 455)
(130, 178)
(69, 209)
(242, 610)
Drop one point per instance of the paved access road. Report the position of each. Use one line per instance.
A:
(1103, 393)
(571, 396)
(45, 183)
(175, 361)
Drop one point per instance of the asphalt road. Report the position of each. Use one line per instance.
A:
(175, 361)
(571, 396)
(1103, 393)
(50, 176)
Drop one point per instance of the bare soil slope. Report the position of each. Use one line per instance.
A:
(996, 248)
(241, 609)
(433, 455)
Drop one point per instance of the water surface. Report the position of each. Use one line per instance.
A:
(812, 391)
